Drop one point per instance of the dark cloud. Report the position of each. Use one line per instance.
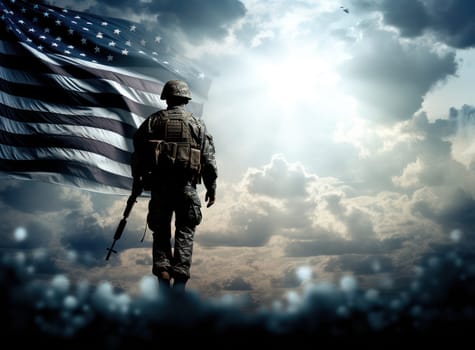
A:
(361, 265)
(452, 22)
(237, 284)
(456, 211)
(289, 279)
(390, 78)
(33, 196)
(197, 19)
(25, 234)
(83, 234)
(342, 246)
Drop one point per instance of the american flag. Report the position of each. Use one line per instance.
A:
(74, 87)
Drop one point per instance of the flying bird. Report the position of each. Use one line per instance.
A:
(345, 9)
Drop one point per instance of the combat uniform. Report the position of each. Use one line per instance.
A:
(173, 153)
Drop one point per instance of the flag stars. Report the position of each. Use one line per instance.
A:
(58, 22)
(132, 28)
(21, 21)
(47, 30)
(84, 41)
(46, 14)
(158, 39)
(42, 37)
(23, 10)
(85, 29)
(125, 52)
(31, 30)
(40, 47)
(112, 43)
(104, 24)
(117, 31)
(110, 58)
(97, 49)
(70, 31)
(128, 43)
(142, 42)
(58, 38)
(35, 20)
(54, 44)
(99, 35)
(77, 17)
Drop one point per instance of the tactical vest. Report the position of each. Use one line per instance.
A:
(174, 142)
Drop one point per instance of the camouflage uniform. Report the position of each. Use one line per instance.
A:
(173, 189)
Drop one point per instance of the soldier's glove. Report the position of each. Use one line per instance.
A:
(210, 197)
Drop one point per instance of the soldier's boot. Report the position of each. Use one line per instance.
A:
(179, 283)
(164, 281)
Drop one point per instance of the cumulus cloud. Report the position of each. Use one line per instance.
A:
(278, 198)
(279, 179)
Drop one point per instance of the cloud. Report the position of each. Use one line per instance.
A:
(29, 196)
(391, 84)
(291, 278)
(450, 22)
(361, 265)
(237, 284)
(197, 19)
(342, 246)
(279, 179)
(453, 208)
(247, 229)
(275, 199)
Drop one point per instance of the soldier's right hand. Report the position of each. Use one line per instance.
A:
(210, 198)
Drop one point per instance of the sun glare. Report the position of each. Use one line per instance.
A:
(296, 78)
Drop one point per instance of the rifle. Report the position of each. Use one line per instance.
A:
(137, 189)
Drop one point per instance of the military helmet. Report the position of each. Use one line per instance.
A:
(177, 88)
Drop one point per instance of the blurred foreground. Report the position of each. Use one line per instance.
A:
(438, 302)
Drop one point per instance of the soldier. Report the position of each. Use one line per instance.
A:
(173, 152)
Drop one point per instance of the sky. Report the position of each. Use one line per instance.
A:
(344, 144)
